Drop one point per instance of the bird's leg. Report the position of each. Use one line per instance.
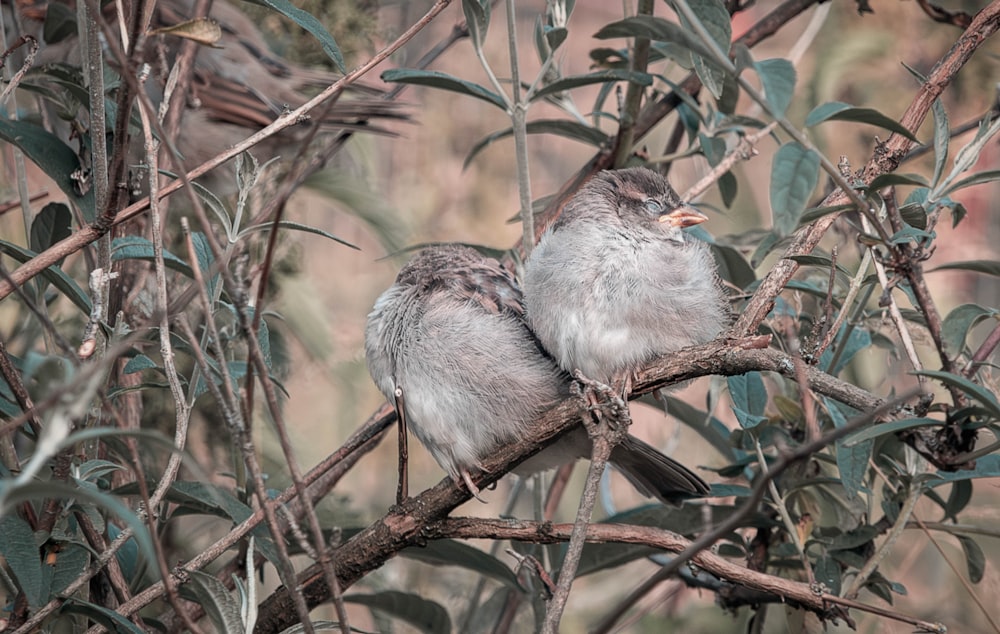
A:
(403, 486)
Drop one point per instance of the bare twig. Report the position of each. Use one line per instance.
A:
(796, 593)
(90, 233)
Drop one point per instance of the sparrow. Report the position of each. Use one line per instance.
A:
(238, 84)
(615, 282)
(449, 343)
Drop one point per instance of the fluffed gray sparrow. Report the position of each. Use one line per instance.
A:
(451, 337)
(615, 282)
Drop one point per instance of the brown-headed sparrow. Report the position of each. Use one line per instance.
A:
(450, 335)
(615, 282)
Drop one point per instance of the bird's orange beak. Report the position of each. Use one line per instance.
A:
(684, 216)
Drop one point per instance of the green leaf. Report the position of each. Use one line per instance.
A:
(219, 604)
(975, 560)
(427, 616)
(713, 148)
(728, 188)
(138, 363)
(976, 392)
(713, 430)
(732, 267)
(976, 179)
(942, 135)
(958, 499)
(713, 16)
(968, 155)
(477, 17)
(109, 619)
(857, 340)
(560, 127)
(313, 26)
(794, 174)
(822, 261)
(55, 158)
(53, 274)
(447, 552)
(986, 467)
(60, 23)
(444, 81)
(599, 77)
(17, 544)
(749, 398)
(959, 322)
(914, 215)
(989, 267)
(891, 427)
(71, 561)
(658, 29)
(838, 111)
(777, 76)
(52, 224)
(826, 570)
(893, 179)
(296, 226)
(139, 248)
(852, 461)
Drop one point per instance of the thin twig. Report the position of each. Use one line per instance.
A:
(90, 233)
(794, 592)
(958, 575)
(604, 434)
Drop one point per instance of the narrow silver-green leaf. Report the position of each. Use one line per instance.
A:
(852, 461)
(139, 248)
(893, 179)
(777, 76)
(713, 16)
(891, 427)
(975, 560)
(654, 28)
(448, 552)
(794, 174)
(975, 179)
(560, 127)
(313, 26)
(219, 604)
(55, 158)
(425, 615)
(942, 135)
(978, 393)
(297, 226)
(109, 619)
(838, 111)
(599, 77)
(989, 267)
(956, 326)
(444, 81)
(53, 274)
(477, 17)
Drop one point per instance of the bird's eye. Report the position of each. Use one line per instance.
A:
(654, 206)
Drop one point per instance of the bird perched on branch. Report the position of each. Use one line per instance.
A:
(449, 344)
(238, 86)
(615, 282)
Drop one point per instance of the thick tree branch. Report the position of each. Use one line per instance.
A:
(405, 524)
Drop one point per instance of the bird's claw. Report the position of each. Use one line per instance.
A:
(473, 489)
(602, 400)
